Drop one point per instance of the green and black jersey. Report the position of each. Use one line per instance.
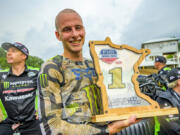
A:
(18, 101)
(169, 124)
(163, 74)
(68, 97)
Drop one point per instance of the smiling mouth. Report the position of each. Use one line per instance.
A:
(75, 43)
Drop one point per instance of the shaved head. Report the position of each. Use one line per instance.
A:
(64, 11)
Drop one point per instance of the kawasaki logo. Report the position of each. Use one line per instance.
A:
(10, 98)
(30, 74)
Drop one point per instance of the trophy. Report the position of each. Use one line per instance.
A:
(117, 70)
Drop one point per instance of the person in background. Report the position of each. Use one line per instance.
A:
(18, 101)
(68, 94)
(160, 65)
(170, 125)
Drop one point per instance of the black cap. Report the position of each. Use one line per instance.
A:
(160, 59)
(17, 45)
(173, 75)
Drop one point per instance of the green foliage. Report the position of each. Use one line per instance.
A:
(179, 46)
(170, 56)
(3, 63)
(32, 61)
(2, 52)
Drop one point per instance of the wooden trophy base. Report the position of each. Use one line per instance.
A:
(140, 114)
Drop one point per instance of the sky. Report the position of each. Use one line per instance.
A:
(131, 22)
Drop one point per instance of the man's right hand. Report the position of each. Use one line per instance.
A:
(117, 126)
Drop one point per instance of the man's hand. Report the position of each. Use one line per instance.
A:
(117, 126)
(14, 126)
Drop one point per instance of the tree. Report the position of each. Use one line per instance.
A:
(2, 52)
(34, 61)
(3, 63)
(179, 46)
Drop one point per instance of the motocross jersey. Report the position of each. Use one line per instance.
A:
(164, 70)
(162, 77)
(68, 97)
(18, 95)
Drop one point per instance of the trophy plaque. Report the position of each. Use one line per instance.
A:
(117, 69)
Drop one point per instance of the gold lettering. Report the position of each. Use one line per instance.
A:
(116, 78)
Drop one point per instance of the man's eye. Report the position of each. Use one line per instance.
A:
(79, 27)
(67, 29)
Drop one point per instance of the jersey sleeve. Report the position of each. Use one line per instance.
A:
(3, 113)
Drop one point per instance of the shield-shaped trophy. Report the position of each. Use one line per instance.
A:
(117, 69)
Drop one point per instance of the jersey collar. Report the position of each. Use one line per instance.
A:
(11, 73)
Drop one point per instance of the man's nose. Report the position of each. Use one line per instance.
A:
(75, 33)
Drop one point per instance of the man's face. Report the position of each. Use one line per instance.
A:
(156, 65)
(15, 56)
(71, 32)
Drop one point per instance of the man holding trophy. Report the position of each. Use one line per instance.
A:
(68, 94)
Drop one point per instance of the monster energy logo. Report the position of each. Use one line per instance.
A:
(43, 80)
(94, 98)
(6, 85)
(21, 82)
(17, 83)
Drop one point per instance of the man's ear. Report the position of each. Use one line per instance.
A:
(24, 56)
(58, 35)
